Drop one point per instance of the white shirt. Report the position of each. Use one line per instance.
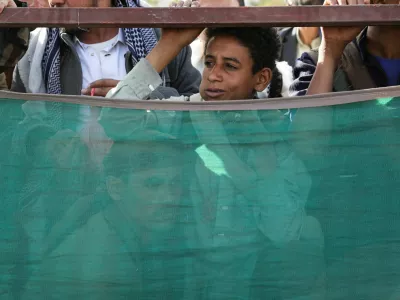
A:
(198, 54)
(301, 47)
(104, 60)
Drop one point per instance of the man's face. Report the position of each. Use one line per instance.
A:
(80, 3)
(228, 71)
(150, 198)
(219, 3)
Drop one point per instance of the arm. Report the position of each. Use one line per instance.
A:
(328, 61)
(281, 193)
(273, 180)
(171, 43)
(184, 77)
(144, 78)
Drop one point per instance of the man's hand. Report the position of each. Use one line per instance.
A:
(100, 87)
(36, 3)
(180, 36)
(173, 40)
(31, 3)
(6, 3)
(335, 39)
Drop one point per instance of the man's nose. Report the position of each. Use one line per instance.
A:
(215, 74)
(58, 3)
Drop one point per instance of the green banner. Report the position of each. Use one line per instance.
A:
(267, 199)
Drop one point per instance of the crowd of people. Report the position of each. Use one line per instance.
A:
(144, 212)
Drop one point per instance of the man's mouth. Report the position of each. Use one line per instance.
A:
(214, 93)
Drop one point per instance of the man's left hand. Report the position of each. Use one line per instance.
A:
(100, 87)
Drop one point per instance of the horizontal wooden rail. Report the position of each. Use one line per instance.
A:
(199, 17)
(259, 104)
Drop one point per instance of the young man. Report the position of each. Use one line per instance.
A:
(121, 243)
(350, 58)
(239, 192)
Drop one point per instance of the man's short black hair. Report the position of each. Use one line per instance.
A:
(241, 2)
(263, 43)
(142, 151)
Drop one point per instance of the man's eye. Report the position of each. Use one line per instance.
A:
(231, 67)
(154, 182)
(208, 64)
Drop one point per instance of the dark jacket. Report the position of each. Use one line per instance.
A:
(289, 45)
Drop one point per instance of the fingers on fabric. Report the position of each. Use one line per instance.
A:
(185, 3)
(99, 92)
(100, 87)
(347, 2)
(104, 83)
(6, 3)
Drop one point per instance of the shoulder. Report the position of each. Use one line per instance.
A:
(37, 39)
(40, 32)
(284, 32)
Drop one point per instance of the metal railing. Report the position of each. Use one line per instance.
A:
(199, 17)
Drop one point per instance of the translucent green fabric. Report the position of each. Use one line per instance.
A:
(188, 204)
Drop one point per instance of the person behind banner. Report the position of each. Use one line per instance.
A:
(350, 58)
(123, 232)
(243, 197)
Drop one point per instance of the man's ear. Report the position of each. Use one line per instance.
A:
(114, 187)
(263, 78)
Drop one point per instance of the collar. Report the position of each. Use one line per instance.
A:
(314, 44)
(120, 39)
(361, 42)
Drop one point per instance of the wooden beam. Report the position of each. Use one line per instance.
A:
(202, 17)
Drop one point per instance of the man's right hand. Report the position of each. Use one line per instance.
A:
(173, 40)
(181, 36)
(335, 39)
(31, 3)
(6, 3)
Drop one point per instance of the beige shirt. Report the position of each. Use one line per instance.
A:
(301, 47)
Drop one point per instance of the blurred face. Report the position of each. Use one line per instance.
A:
(228, 71)
(219, 3)
(80, 3)
(150, 198)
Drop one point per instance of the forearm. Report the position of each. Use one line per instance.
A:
(328, 61)
(241, 175)
(144, 78)
(282, 196)
(162, 54)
